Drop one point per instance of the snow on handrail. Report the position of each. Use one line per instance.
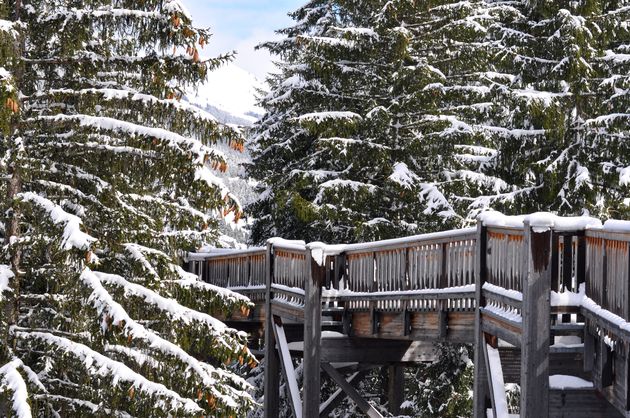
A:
(224, 252)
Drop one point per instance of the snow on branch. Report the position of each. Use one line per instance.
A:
(176, 6)
(437, 203)
(179, 143)
(175, 141)
(170, 306)
(319, 117)
(136, 252)
(147, 99)
(101, 365)
(211, 377)
(403, 176)
(190, 281)
(82, 403)
(6, 274)
(343, 184)
(73, 237)
(11, 379)
(79, 14)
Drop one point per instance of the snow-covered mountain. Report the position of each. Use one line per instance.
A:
(230, 94)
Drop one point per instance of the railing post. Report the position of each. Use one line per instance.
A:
(272, 362)
(536, 323)
(314, 275)
(480, 385)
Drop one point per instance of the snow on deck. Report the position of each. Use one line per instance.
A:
(561, 381)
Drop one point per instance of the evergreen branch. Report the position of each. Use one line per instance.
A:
(72, 236)
(11, 380)
(211, 378)
(100, 365)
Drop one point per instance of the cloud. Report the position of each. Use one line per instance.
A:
(241, 25)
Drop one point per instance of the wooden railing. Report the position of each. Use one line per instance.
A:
(288, 274)
(424, 272)
(429, 272)
(239, 270)
(607, 271)
(525, 283)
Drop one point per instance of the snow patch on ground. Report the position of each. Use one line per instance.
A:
(561, 381)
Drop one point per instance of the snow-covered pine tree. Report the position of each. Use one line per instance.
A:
(571, 85)
(109, 178)
(330, 150)
(536, 93)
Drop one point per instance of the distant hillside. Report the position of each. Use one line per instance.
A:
(230, 96)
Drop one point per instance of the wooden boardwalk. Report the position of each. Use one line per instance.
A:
(548, 297)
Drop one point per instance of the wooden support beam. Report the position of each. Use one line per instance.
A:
(339, 395)
(271, 402)
(589, 350)
(536, 325)
(567, 269)
(395, 388)
(376, 351)
(406, 322)
(346, 322)
(287, 367)
(555, 263)
(492, 361)
(605, 364)
(368, 409)
(375, 319)
(489, 380)
(314, 277)
(442, 320)
(480, 386)
(626, 371)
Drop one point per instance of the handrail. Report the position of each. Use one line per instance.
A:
(387, 270)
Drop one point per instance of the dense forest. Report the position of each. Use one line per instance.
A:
(109, 177)
(383, 119)
(390, 118)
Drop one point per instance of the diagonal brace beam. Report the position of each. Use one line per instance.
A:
(287, 367)
(331, 403)
(368, 409)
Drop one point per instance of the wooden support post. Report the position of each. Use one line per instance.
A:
(480, 385)
(442, 320)
(314, 275)
(580, 267)
(395, 388)
(589, 350)
(287, 367)
(536, 324)
(604, 291)
(346, 322)
(406, 322)
(486, 364)
(626, 366)
(368, 409)
(442, 305)
(492, 361)
(605, 366)
(272, 362)
(567, 269)
(555, 263)
(375, 318)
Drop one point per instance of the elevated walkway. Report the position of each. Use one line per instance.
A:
(551, 294)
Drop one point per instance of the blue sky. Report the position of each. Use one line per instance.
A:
(240, 25)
